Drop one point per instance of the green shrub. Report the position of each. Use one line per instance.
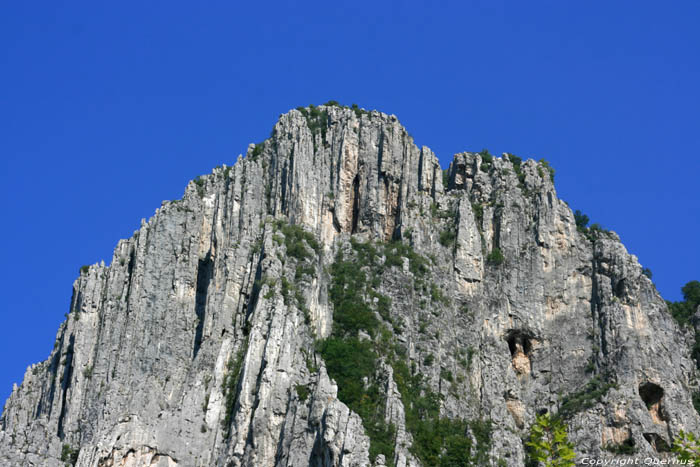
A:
(199, 185)
(691, 293)
(591, 232)
(443, 442)
(585, 398)
(437, 296)
(478, 214)
(517, 162)
(438, 441)
(549, 169)
(309, 361)
(581, 221)
(302, 270)
(496, 257)
(234, 368)
(257, 151)
(683, 311)
(298, 241)
(84, 269)
(257, 246)
(69, 454)
(350, 312)
(441, 213)
(394, 253)
(316, 120)
(352, 362)
(303, 392)
(470, 356)
(285, 289)
(446, 375)
(486, 160)
(357, 110)
(383, 305)
(448, 236)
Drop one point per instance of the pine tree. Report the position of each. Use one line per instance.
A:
(549, 443)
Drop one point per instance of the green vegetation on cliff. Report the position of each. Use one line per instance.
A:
(355, 363)
(683, 312)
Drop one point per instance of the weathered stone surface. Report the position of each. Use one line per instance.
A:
(187, 350)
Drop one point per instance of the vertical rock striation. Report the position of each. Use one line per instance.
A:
(198, 345)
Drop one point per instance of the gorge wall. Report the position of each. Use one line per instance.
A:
(336, 299)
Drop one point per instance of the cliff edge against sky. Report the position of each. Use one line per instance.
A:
(336, 299)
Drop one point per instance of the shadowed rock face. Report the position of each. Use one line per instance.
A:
(192, 348)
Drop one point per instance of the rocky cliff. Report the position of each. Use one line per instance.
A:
(334, 298)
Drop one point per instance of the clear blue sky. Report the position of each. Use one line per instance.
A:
(107, 110)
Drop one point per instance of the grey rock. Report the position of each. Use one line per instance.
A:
(187, 351)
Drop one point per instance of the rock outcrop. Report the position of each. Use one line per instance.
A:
(202, 342)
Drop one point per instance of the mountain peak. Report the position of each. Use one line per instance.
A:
(335, 298)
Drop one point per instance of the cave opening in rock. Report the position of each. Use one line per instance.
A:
(624, 447)
(520, 346)
(652, 394)
(205, 272)
(657, 442)
(621, 289)
(355, 203)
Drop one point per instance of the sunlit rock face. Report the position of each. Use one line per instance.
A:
(201, 344)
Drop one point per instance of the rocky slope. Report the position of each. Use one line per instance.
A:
(336, 299)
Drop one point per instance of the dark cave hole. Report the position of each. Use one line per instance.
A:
(205, 271)
(657, 442)
(652, 394)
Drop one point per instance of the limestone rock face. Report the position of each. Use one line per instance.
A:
(192, 348)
